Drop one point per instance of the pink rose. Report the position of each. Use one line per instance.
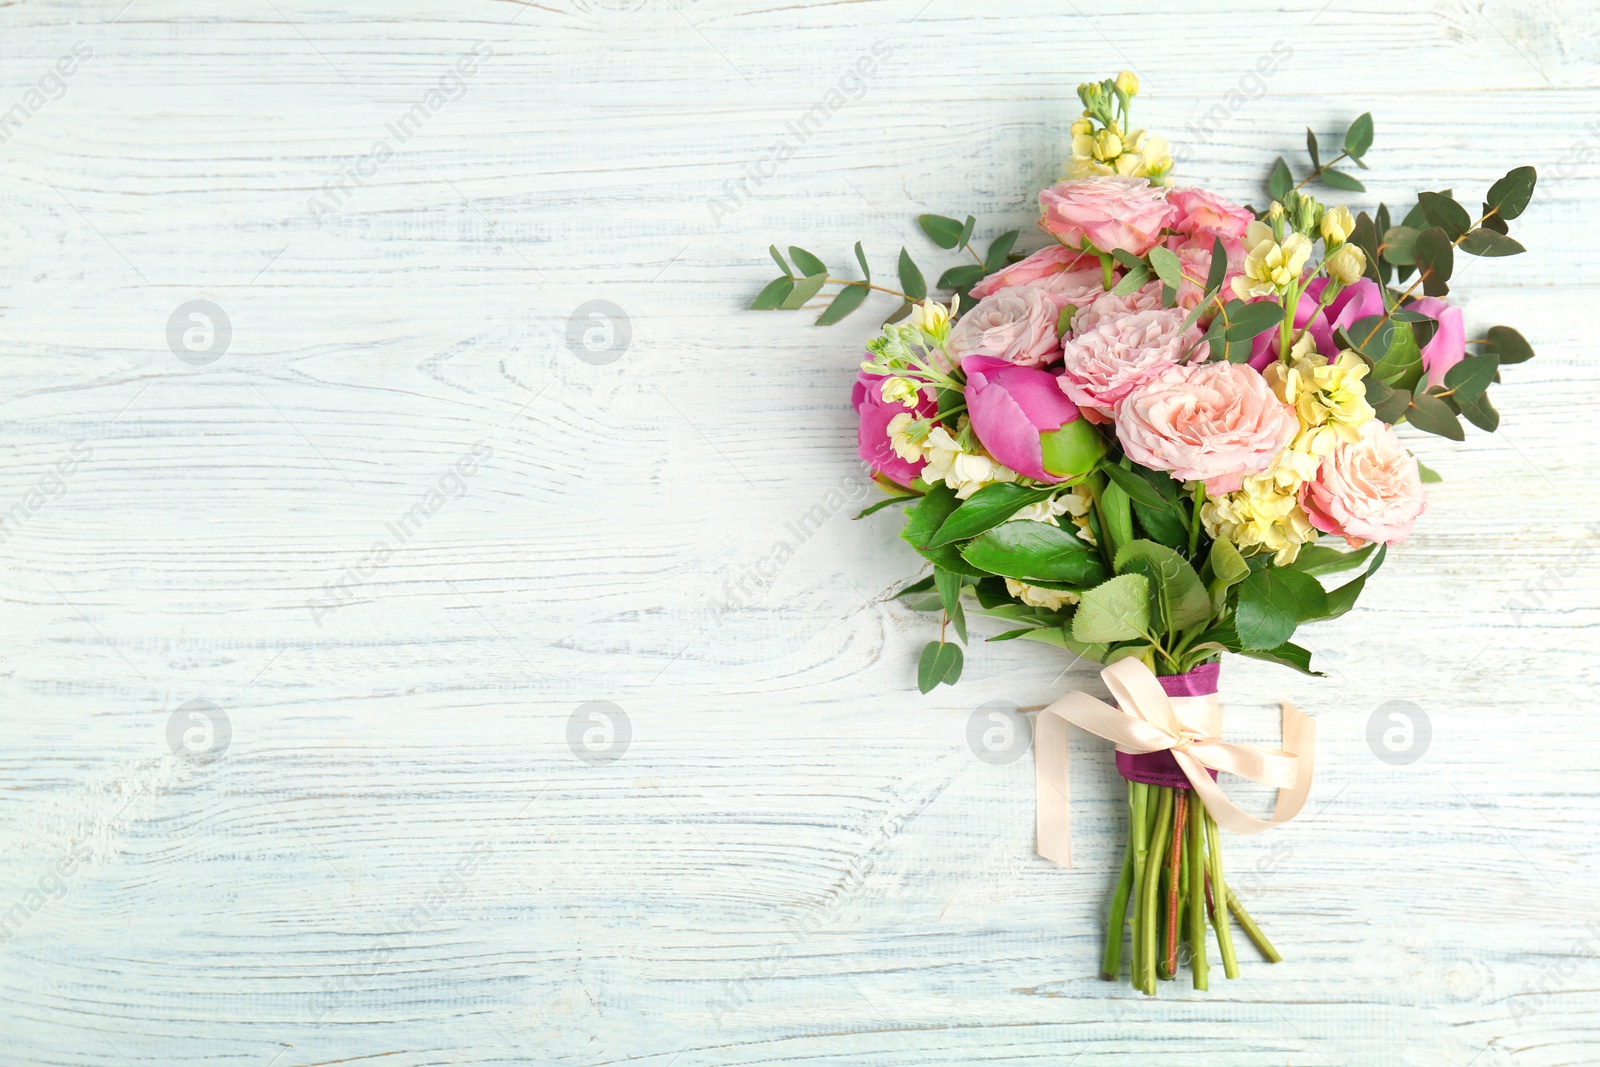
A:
(1368, 490)
(1011, 408)
(1449, 342)
(872, 435)
(1122, 352)
(1017, 325)
(1203, 215)
(1043, 269)
(1109, 213)
(1197, 268)
(1111, 306)
(1207, 422)
(1354, 302)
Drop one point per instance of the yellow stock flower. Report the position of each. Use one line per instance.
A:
(1337, 225)
(1128, 83)
(1347, 264)
(1270, 267)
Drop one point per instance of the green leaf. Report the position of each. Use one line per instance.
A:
(1311, 149)
(1508, 345)
(948, 583)
(939, 664)
(861, 258)
(899, 313)
(966, 231)
(1137, 275)
(1272, 601)
(1138, 490)
(962, 277)
(1219, 268)
(999, 249)
(911, 278)
(1400, 367)
(1035, 552)
(1117, 610)
(1358, 138)
(1059, 637)
(1168, 267)
(1342, 599)
(1338, 179)
(944, 232)
(772, 297)
(1290, 655)
(921, 585)
(1064, 320)
(1400, 245)
(1487, 243)
(1445, 213)
(1251, 319)
(986, 509)
(1392, 408)
(1177, 590)
(1428, 475)
(1472, 376)
(804, 290)
(1492, 220)
(783, 264)
(1427, 412)
(1280, 181)
(871, 509)
(1436, 259)
(1480, 412)
(924, 520)
(1325, 559)
(1510, 195)
(808, 263)
(848, 299)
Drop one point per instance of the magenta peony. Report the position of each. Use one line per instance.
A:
(872, 435)
(1011, 408)
(1448, 344)
(1354, 302)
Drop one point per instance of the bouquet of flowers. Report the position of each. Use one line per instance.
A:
(1153, 441)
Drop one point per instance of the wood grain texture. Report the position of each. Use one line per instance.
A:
(398, 859)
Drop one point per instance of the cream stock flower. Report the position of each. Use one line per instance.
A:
(1346, 264)
(964, 471)
(1034, 597)
(1262, 516)
(1337, 225)
(901, 390)
(932, 319)
(1329, 398)
(906, 436)
(1270, 267)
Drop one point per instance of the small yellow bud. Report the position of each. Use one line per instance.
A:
(1337, 225)
(1082, 127)
(1107, 145)
(1127, 83)
(1347, 264)
(902, 390)
(1275, 211)
(933, 320)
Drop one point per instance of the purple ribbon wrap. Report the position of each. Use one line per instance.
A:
(1159, 768)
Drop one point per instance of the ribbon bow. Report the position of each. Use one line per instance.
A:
(1146, 719)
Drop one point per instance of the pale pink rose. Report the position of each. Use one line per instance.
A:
(1017, 325)
(1206, 422)
(1043, 269)
(1122, 352)
(1203, 214)
(1197, 268)
(1109, 213)
(1111, 306)
(1367, 490)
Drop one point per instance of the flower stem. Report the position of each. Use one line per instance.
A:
(1139, 843)
(1219, 916)
(1180, 814)
(1111, 960)
(1198, 966)
(1151, 889)
(1253, 931)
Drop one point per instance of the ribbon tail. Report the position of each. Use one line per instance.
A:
(1052, 800)
(1299, 741)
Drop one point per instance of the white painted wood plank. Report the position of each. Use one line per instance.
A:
(398, 859)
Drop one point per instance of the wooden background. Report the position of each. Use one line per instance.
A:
(387, 837)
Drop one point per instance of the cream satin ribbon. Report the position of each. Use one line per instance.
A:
(1147, 720)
